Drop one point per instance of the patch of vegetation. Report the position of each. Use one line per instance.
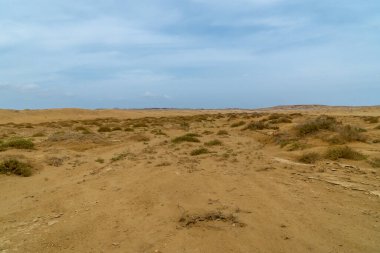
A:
(214, 143)
(119, 157)
(163, 164)
(377, 128)
(80, 128)
(140, 138)
(296, 145)
(104, 129)
(207, 132)
(238, 124)
(55, 161)
(39, 134)
(18, 143)
(309, 158)
(320, 123)
(376, 141)
(14, 166)
(139, 125)
(348, 134)
(190, 137)
(158, 132)
(259, 125)
(375, 162)
(345, 152)
(199, 151)
(222, 132)
(371, 119)
(128, 129)
(99, 160)
(280, 120)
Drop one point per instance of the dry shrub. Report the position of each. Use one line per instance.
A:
(190, 137)
(320, 123)
(14, 166)
(222, 132)
(237, 124)
(309, 158)
(345, 152)
(18, 143)
(199, 151)
(214, 143)
(259, 125)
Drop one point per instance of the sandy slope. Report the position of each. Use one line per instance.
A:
(247, 195)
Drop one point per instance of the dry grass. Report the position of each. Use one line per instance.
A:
(238, 124)
(222, 132)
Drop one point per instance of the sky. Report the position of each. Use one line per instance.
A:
(189, 53)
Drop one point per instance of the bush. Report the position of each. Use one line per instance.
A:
(199, 151)
(222, 132)
(259, 125)
(214, 143)
(280, 120)
(187, 138)
(104, 129)
(321, 123)
(237, 124)
(378, 127)
(371, 119)
(344, 152)
(309, 158)
(375, 162)
(19, 143)
(14, 166)
(39, 134)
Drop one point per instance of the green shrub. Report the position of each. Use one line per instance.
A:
(321, 123)
(199, 151)
(214, 143)
(14, 166)
(335, 153)
(19, 143)
(309, 158)
(187, 138)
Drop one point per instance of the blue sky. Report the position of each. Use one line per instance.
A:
(191, 53)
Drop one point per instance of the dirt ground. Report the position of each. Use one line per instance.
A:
(134, 187)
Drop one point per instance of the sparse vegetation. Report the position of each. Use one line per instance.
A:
(18, 143)
(348, 134)
(104, 129)
(320, 123)
(39, 134)
(371, 120)
(259, 125)
(213, 143)
(14, 166)
(190, 137)
(375, 162)
(222, 132)
(238, 124)
(199, 151)
(309, 158)
(99, 160)
(345, 152)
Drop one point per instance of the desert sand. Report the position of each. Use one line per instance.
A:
(122, 181)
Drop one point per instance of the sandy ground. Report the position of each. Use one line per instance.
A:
(134, 190)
